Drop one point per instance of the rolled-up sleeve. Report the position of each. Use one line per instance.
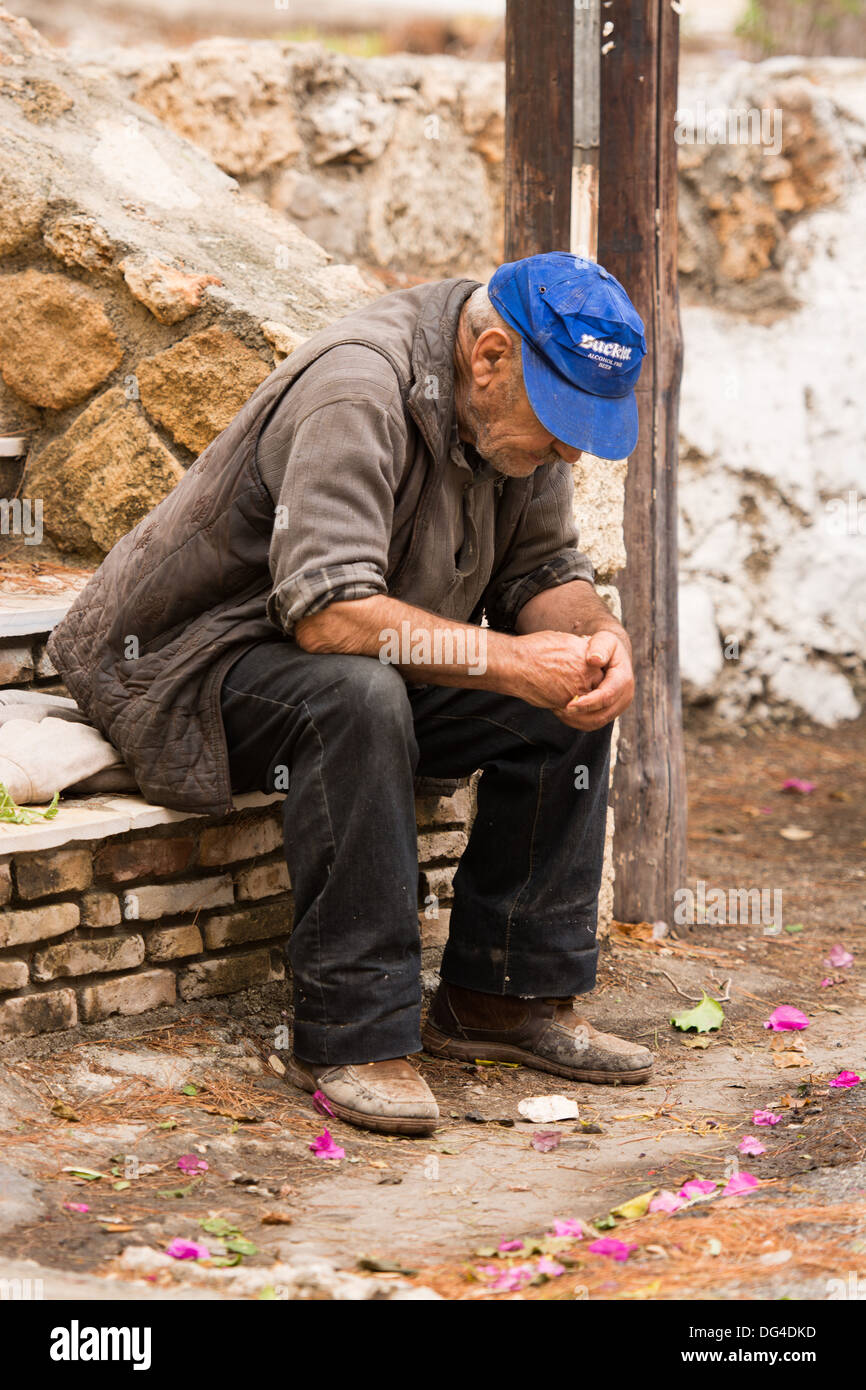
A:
(334, 510)
(544, 551)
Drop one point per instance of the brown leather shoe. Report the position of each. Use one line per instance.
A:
(389, 1097)
(542, 1033)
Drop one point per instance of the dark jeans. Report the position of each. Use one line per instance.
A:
(345, 736)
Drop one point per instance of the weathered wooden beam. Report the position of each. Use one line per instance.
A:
(638, 243)
(539, 67)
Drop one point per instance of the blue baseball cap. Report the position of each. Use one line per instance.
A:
(583, 345)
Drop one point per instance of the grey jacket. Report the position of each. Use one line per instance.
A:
(342, 476)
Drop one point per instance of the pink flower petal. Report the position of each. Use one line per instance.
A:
(698, 1187)
(608, 1245)
(786, 1019)
(180, 1249)
(322, 1104)
(750, 1145)
(510, 1280)
(740, 1182)
(82, 1206)
(666, 1201)
(191, 1163)
(765, 1117)
(505, 1247)
(323, 1146)
(796, 784)
(846, 1079)
(827, 981)
(567, 1227)
(546, 1141)
(839, 958)
(551, 1268)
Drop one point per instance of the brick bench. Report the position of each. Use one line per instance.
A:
(119, 907)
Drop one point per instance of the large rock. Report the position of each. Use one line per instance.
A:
(121, 186)
(393, 161)
(429, 202)
(170, 293)
(195, 388)
(239, 113)
(740, 196)
(23, 200)
(56, 343)
(123, 239)
(78, 240)
(99, 478)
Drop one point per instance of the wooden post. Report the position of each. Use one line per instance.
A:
(555, 146)
(539, 80)
(637, 241)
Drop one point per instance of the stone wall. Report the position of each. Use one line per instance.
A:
(143, 297)
(393, 162)
(773, 462)
(187, 909)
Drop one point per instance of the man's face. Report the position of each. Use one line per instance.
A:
(497, 416)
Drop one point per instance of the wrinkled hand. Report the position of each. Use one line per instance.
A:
(608, 655)
(553, 668)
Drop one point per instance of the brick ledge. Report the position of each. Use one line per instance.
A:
(95, 817)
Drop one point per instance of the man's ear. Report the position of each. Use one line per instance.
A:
(492, 356)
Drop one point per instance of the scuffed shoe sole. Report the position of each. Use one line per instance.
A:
(441, 1045)
(379, 1124)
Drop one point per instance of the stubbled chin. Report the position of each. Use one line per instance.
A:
(515, 468)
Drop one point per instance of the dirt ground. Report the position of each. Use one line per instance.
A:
(407, 1218)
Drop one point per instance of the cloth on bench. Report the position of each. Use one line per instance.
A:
(47, 745)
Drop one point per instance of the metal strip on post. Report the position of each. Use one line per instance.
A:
(587, 125)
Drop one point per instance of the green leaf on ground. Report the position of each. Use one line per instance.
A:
(239, 1245)
(605, 1223)
(179, 1191)
(705, 1016)
(218, 1226)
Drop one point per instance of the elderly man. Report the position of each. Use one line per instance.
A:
(369, 576)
